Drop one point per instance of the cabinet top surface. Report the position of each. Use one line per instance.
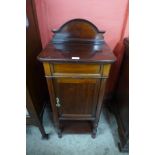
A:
(77, 40)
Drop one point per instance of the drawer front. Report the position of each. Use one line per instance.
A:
(76, 68)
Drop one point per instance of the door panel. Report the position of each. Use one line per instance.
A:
(77, 96)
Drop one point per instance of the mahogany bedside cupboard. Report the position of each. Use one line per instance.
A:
(76, 63)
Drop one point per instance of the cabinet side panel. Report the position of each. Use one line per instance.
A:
(106, 69)
(47, 69)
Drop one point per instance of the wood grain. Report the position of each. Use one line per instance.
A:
(76, 68)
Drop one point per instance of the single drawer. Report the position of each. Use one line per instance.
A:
(76, 68)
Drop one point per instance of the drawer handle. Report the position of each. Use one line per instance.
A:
(58, 102)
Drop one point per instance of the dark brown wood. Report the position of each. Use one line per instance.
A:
(77, 63)
(89, 53)
(36, 84)
(121, 100)
(78, 30)
(33, 118)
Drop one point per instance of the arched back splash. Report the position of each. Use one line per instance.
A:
(78, 31)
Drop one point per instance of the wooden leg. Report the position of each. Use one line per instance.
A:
(59, 129)
(124, 147)
(41, 128)
(94, 130)
(36, 118)
(59, 133)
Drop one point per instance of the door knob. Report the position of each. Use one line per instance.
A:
(58, 102)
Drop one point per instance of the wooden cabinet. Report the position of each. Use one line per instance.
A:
(76, 63)
(121, 100)
(36, 90)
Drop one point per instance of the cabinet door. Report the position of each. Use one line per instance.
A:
(76, 97)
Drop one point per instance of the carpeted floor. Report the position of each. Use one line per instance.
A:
(105, 142)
